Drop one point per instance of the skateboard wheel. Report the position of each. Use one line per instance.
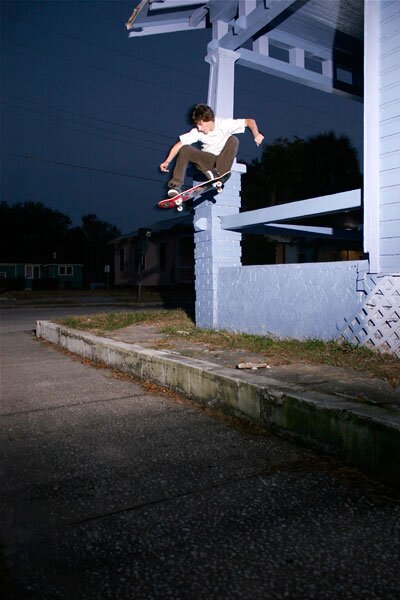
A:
(178, 202)
(218, 184)
(219, 190)
(179, 207)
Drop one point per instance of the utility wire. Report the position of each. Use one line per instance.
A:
(83, 167)
(90, 117)
(115, 133)
(109, 71)
(301, 124)
(131, 56)
(186, 73)
(80, 131)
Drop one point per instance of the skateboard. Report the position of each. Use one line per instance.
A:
(195, 192)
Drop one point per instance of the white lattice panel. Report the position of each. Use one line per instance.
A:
(377, 324)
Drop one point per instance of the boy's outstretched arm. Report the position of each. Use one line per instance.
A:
(252, 125)
(172, 153)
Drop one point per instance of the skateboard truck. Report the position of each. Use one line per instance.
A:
(195, 192)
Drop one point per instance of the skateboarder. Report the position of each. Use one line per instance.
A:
(218, 146)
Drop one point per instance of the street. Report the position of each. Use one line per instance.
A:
(112, 490)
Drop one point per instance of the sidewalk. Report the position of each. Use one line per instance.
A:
(112, 490)
(334, 409)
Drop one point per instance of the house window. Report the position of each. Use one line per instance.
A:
(65, 270)
(122, 259)
(163, 255)
(32, 272)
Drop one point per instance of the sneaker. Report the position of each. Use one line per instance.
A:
(212, 174)
(174, 191)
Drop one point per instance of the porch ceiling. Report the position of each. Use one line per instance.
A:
(316, 20)
(329, 33)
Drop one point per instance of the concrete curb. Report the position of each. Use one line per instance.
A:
(367, 436)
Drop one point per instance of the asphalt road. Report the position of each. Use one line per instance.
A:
(24, 318)
(111, 490)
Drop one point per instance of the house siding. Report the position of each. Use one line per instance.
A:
(40, 272)
(389, 136)
(177, 263)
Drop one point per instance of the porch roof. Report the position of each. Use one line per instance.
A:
(181, 222)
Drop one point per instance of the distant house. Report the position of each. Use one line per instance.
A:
(31, 276)
(163, 258)
(166, 256)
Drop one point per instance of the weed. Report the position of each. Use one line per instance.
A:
(178, 326)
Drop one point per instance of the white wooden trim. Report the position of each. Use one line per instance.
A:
(222, 79)
(279, 68)
(247, 26)
(371, 134)
(294, 210)
(184, 25)
(163, 4)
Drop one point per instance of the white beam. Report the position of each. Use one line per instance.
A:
(279, 68)
(261, 45)
(198, 16)
(309, 231)
(154, 28)
(246, 7)
(163, 4)
(249, 25)
(223, 10)
(294, 210)
(297, 57)
(287, 40)
(371, 135)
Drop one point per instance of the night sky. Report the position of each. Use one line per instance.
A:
(96, 112)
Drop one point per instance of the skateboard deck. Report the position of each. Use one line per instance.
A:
(195, 192)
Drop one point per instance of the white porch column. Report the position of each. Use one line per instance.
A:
(221, 84)
(214, 247)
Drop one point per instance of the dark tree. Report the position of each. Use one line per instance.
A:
(296, 170)
(31, 231)
(98, 252)
(301, 168)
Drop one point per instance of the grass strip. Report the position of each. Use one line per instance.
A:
(178, 326)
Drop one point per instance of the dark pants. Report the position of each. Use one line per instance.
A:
(204, 161)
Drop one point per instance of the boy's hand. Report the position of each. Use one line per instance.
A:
(259, 139)
(164, 166)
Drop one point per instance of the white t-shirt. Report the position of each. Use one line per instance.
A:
(215, 140)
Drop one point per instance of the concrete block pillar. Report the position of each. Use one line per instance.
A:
(215, 248)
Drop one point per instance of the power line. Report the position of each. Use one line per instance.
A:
(115, 133)
(74, 37)
(83, 167)
(268, 96)
(110, 71)
(303, 125)
(89, 117)
(80, 131)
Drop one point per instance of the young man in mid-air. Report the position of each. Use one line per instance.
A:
(218, 146)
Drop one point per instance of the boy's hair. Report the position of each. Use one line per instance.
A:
(202, 112)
